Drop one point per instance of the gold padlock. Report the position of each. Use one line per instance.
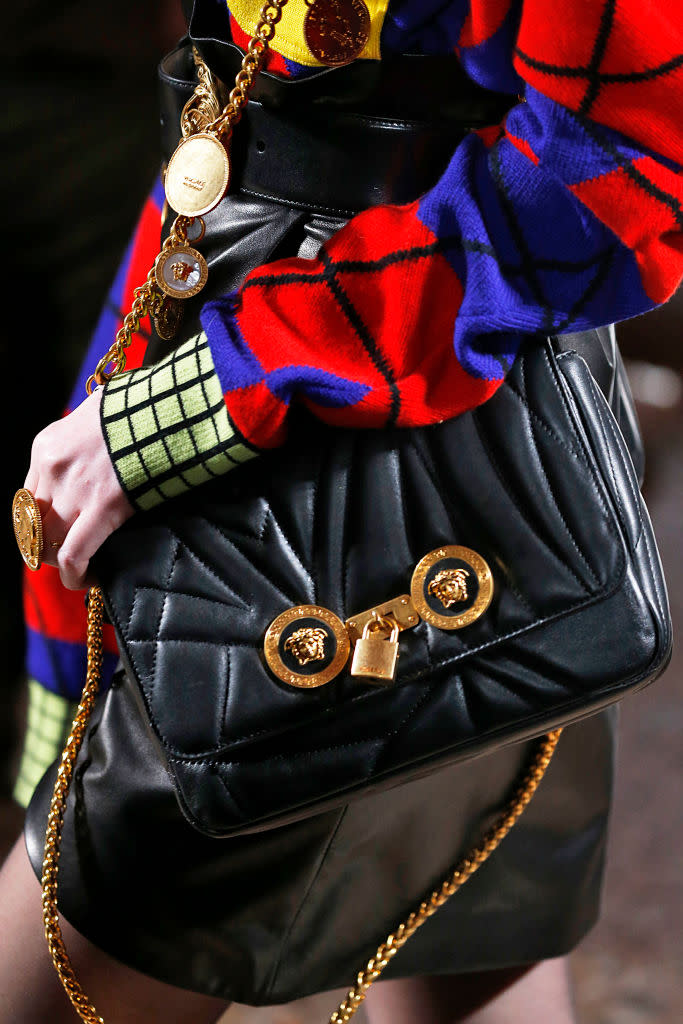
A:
(375, 657)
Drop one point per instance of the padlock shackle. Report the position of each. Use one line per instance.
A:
(384, 623)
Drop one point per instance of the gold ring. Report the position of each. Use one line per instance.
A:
(28, 527)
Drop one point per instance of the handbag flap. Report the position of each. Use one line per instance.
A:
(536, 481)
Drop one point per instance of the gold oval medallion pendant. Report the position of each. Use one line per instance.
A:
(451, 587)
(197, 175)
(181, 272)
(336, 31)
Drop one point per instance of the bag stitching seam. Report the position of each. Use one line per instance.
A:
(495, 465)
(169, 577)
(590, 463)
(603, 423)
(650, 561)
(402, 725)
(450, 511)
(577, 454)
(210, 569)
(304, 900)
(275, 586)
(554, 499)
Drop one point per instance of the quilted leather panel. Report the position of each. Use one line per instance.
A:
(537, 481)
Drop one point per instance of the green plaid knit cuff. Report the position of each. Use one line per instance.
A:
(47, 727)
(167, 427)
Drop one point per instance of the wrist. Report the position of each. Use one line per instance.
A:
(167, 428)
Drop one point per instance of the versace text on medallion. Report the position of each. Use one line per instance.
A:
(196, 183)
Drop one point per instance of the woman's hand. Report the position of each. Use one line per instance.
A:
(76, 487)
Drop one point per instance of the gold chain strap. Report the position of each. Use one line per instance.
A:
(55, 820)
(458, 876)
(200, 115)
(146, 302)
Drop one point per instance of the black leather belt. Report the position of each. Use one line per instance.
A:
(345, 139)
(339, 164)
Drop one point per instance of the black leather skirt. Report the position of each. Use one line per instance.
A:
(269, 917)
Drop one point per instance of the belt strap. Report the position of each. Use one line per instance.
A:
(338, 165)
(329, 149)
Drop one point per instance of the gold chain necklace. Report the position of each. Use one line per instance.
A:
(198, 173)
(197, 178)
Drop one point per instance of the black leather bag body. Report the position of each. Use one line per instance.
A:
(537, 481)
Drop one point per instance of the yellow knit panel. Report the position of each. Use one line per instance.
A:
(289, 32)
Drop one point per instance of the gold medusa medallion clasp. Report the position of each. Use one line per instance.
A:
(451, 587)
(306, 646)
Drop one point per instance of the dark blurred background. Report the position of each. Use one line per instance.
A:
(79, 152)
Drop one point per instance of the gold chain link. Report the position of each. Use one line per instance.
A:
(147, 301)
(196, 111)
(55, 820)
(458, 876)
(251, 65)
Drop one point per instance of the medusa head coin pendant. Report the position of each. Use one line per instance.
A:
(181, 271)
(197, 175)
(336, 31)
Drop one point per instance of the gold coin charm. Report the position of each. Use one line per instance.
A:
(197, 175)
(306, 646)
(336, 31)
(451, 587)
(168, 318)
(181, 272)
(28, 528)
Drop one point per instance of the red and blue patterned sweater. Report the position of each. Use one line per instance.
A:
(566, 216)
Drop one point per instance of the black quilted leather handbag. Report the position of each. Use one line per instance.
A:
(537, 482)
